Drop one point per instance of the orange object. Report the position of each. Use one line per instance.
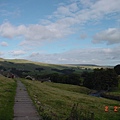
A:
(115, 108)
(106, 108)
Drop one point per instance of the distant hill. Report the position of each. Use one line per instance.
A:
(23, 67)
(1, 59)
(83, 65)
(90, 66)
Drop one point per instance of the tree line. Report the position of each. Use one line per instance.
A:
(98, 79)
(101, 79)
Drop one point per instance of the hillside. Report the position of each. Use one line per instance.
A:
(33, 67)
(89, 66)
(23, 67)
(55, 101)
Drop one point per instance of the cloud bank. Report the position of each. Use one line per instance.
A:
(101, 56)
(110, 36)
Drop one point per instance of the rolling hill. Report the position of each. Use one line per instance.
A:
(23, 67)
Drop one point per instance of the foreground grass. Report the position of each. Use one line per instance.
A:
(7, 93)
(54, 101)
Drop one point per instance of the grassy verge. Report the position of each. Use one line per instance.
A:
(55, 101)
(7, 93)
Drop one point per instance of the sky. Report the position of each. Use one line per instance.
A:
(61, 31)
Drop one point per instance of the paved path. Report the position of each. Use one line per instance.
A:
(23, 107)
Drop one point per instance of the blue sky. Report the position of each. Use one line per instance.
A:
(61, 31)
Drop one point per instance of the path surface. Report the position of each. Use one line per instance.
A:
(23, 107)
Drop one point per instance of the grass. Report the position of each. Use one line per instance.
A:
(67, 87)
(55, 101)
(7, 93)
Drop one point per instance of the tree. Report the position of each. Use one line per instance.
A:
(117, 69)
(101, 79)
(74, 79)
(88, 80)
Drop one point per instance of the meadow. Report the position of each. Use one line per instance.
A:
(55, 101)
(7, 94)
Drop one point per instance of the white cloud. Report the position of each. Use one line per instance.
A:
(7, 30)
(111, 36)
(66, 10)
(10, 31)
(18, 52)
(100, 56)
(4, 44)
(88, 10)
(35, 32)
(64, 21)
(106, 6)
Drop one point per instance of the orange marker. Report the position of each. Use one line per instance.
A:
(115, 108)
(106, 108)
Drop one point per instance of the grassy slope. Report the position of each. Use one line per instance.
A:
(21, 64)
(56, 100)
(27, 61)
(60, 66)
(7, 93)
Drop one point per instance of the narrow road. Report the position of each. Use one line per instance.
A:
(23, 107)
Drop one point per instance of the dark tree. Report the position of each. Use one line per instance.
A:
(39, 69)
(73, 78)
(101, 79)
(88, 80)
(117, 69)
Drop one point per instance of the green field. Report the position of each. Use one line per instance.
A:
(7, 93)
(54, 101)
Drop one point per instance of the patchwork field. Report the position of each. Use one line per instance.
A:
(55, 101)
